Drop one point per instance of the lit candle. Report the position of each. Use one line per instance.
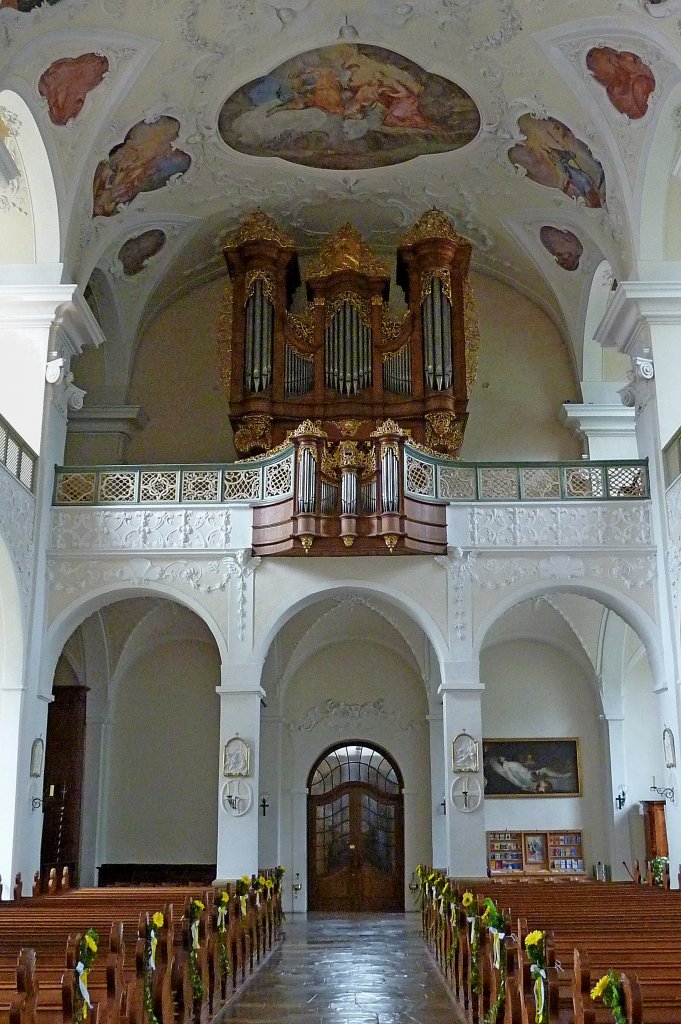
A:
(52, 789)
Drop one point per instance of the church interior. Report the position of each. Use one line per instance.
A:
(340, 458)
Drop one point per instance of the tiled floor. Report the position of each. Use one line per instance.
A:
(349, 969)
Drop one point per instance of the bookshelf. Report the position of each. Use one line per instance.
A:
(535, 852)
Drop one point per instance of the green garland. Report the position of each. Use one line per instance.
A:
(87, 951)
(657, 868)
(493, 920)
(609, 989)
(223, 908)
(469, 905)
(195, 909)
(535, 947)
(150, 940)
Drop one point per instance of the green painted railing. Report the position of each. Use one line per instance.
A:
(424, 477)
(16, 456)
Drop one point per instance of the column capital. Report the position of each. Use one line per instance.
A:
(637, 305)
(460, 675)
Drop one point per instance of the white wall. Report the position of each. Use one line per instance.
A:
(643, 748)
(535, 690)
(163, 758)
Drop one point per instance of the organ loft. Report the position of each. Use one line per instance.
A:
(348, 380)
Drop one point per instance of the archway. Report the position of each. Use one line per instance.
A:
(355, 830)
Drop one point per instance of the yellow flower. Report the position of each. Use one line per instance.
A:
(246, 879)
(486, 915)
(269, 883)
(90, 943)
(600, 987)
(224, 896)
(157, 919)
(261, 880)
(432, 876)
(534, 938)
(199, 905)
(467, 899)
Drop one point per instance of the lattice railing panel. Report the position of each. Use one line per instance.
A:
(584, 482)
(241, 485)
(498, 483)
(75, 488)
(159, 485)
(457, 483)
(279, 478)
(200, 485)
(539, 483)
(117, 487)
(627, 481)
(420, 477)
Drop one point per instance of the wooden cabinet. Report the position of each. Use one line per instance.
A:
(536, 852)
(655, 829)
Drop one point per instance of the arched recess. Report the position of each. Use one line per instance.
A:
(355, 830)
(11, 692)
(563, 664)
(148, 789)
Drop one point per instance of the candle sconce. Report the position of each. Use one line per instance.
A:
(413, 885)
(666, 792)
(297, 885)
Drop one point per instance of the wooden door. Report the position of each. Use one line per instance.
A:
(355, 832)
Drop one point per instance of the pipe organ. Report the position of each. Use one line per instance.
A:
(346, 359)
(346, 379)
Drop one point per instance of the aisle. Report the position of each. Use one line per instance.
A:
(349, 969)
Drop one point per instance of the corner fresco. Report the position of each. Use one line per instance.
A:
(628, 81)
(563, 245)
(143, 162)
(66, 83)
(553, 156)
(136, 252)
(348, 106)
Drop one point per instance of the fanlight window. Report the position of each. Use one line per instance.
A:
(354, 763)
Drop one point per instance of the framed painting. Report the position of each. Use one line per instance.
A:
(536, 854)
(237, 757)
(531, 767)
(464, 753)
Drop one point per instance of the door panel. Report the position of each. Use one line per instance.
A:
(356, 855)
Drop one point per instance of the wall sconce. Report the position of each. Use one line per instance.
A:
(297, 885)
(40, 801)
(443, 805)
(264, 803)
(413, 885)
(666, 793)
(621, 797)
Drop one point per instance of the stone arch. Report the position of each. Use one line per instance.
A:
(664, 161)
(628, 609)
(345, 588)
(28, 186)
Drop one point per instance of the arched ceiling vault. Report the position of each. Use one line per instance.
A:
(167, 120)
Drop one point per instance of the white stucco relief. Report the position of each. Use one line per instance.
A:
(336, 711)
(16, 525)
(140, 529)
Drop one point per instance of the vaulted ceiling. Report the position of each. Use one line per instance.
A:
(166, 121)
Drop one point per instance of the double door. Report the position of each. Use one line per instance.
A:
(356, 850)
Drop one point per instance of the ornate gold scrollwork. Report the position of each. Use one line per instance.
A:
(444, 433)
(308, 427)
(443, 275)
(268, 284)
(255, 431)
(347, 428)
(471, 328)
(389, 427)
(347, 250)
(432, 224)
(258, 227)
(392, 324)
(302, 323)
(224, 337)
(361, 305)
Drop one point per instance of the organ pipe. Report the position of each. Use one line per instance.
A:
(259, 338)
(389, 481)
(347, 351)
(397, 371)
(307, 481)
(436, 325)
(349, 493)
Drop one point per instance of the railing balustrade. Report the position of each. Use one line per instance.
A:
(16, 456)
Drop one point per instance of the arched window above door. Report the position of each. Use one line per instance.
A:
(354, 762)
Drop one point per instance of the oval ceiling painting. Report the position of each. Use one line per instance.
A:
(563, 245)
(552, 155)
(348, 107)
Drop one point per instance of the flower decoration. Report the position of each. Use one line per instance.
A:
(493, 920)
(467, 900)
(150, 944)
(535, 948)
(157, 919)
(658, 867)
(223, 910)
(87, 951)
(196, 907)
(609, 990)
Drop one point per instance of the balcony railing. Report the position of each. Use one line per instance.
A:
(16, 456)
(426, 478)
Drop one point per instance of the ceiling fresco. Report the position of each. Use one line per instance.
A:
(530, 123)
(348, 106)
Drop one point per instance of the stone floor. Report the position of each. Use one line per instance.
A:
(346, 969)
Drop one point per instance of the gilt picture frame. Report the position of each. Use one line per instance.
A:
(535, 768)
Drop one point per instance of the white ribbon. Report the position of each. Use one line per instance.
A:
(497, 938)
(222, 913)
(539, 997)
(442, 904)
(80, 971)
(152, 950)
(195, 934)
(244, 905)
(452, 913)
(257, 898)
(471, 921)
